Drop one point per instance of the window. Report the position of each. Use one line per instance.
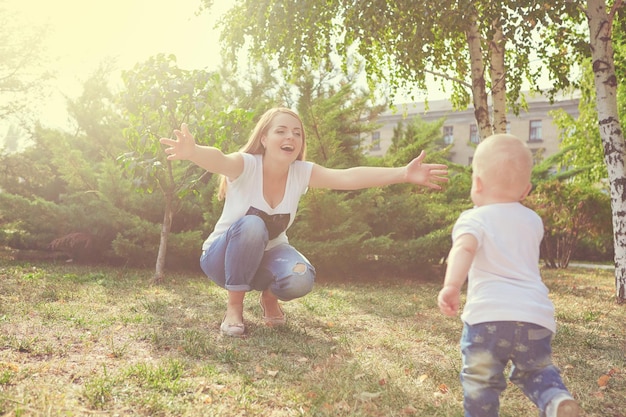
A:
(375, 146)
(448, 136)
(535, 131)
(474, 134)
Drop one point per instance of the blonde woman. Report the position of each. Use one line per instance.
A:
(262, 185)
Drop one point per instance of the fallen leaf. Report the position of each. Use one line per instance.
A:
(382, 381)
(9, 366)
(423, 378)
(409, 410)
(443, 388)
(603, 381)
(272, 373)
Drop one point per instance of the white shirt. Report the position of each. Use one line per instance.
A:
(246, 192)
(504, 281)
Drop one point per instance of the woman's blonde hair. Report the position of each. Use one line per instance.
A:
(254, 145)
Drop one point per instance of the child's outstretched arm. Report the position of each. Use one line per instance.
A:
(459, 262)
(416, 172)
(184, 147)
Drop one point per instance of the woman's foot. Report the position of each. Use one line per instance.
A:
(273, 314)
(232, 323)
(232, 329)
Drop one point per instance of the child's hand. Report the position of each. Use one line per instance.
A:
(427, 175)
(449, 300)
(182, 147)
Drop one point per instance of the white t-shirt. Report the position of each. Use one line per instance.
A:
(245, 194)
(504, 281)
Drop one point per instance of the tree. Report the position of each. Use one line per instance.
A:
(600, 19)
(22, 62)
(65, 192)
(159, 97)
(597, 43)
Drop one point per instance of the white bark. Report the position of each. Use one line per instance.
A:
(600, 23)
(479, 93)
(498, 78)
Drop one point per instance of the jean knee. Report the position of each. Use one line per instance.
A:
(251, 227)
(298, 284)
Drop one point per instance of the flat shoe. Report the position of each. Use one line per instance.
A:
(232, 330)
(272, 321)
(568, 408)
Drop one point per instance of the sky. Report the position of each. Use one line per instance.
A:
(84, 33)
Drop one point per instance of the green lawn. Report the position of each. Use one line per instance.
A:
(77, 341)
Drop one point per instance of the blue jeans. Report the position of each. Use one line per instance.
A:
(488, 347)
(238, 261)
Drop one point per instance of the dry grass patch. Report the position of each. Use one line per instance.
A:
(80, 341)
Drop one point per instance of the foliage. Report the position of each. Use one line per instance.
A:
(328, 230)
(582, 135)
(399, 228)
(403, 43)
(29, 223)
(23, 72)
(570, 212)
(159, 97)
(66, 193)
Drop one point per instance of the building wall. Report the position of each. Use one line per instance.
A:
(544, 143)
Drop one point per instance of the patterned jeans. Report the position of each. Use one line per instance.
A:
(488, 347)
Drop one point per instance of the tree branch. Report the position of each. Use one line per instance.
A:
(616, 6)
(447, 77)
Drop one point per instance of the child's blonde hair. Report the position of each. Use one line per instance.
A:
(504, 162)
(254, 145)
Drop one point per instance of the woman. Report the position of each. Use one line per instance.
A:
(262, 185)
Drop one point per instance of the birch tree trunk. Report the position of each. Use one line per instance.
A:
(600, 23)
(479, 92)
(497, 46)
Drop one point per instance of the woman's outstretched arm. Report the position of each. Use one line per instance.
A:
(416, 172)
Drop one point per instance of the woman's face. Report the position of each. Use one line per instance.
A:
(284, 137)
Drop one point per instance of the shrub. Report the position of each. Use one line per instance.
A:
(570, 213)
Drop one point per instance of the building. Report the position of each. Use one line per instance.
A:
(534, 125)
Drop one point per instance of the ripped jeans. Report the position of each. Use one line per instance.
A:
(238, 261)
(488, 347)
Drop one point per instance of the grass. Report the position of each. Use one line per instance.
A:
(80, 341)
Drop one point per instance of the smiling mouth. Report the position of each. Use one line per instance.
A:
(288, 148)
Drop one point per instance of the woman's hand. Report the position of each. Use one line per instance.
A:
(181, 148)
(428, 175)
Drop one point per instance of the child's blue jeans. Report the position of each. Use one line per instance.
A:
(488, 347)
(238, 261)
